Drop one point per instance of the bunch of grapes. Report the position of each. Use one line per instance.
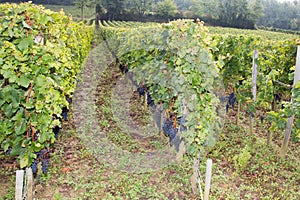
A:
(56, 131)
(231, 99)
(169, 130)
(8, 151)
(45, 165)
(42, 155)
(34, 166)
(64, 113)
(141, 91)
(150, 101)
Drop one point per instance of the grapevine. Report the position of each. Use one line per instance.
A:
(41, 55)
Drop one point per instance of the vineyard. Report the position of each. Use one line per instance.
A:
(149, 103)
(182, 78)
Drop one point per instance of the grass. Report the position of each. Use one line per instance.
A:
(76, 174)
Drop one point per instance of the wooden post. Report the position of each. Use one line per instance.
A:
(29, 184)
(19, 185)
(208, 178)
(181, 150)
(146, 100)
(254, 74)
(290, 120)
(254, 86)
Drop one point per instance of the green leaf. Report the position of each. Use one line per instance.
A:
(24, 81)
(20, 126)
(25, 43)
(24, 161)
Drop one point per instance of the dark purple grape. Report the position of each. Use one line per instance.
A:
(231, 99)
(227, 108)
(141, 91)
(55, 131)
(277, 97)
(64, 113)
(170, 131)
(42, 153)
(34, 166)
(172, 134)
(231, 95)
(123, 68)
(167, 127)
(69, 100)
(45, 165)
(8, 151)
(261, 118)
(150, 101)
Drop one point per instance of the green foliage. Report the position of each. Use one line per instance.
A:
(242, 159)
(239, 13)
(278, 14)
(81, 4)
(175, 64)
(276, 63)
(167, 8)
(41, 54)
(139, 7)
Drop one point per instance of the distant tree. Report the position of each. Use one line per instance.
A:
(183, 4)
(196, 7)
(100, 11)
(239, 13)
(139, 7)
(283, 15)
(211, 8)
(256, 10)
(114, 8)
(83, 4)
(167, 8)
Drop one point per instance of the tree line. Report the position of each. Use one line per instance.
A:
(231, 13)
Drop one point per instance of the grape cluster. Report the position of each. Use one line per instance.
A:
(69, 100)
(43, 156)
(56, 131)
(45, 165)
(169, 129)
(150, 101)
(8, 151)
(277, 98)
(261, 118)
(229, 100)
(64, 113)
(123, 68)
(34, 166)
(141, 91)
